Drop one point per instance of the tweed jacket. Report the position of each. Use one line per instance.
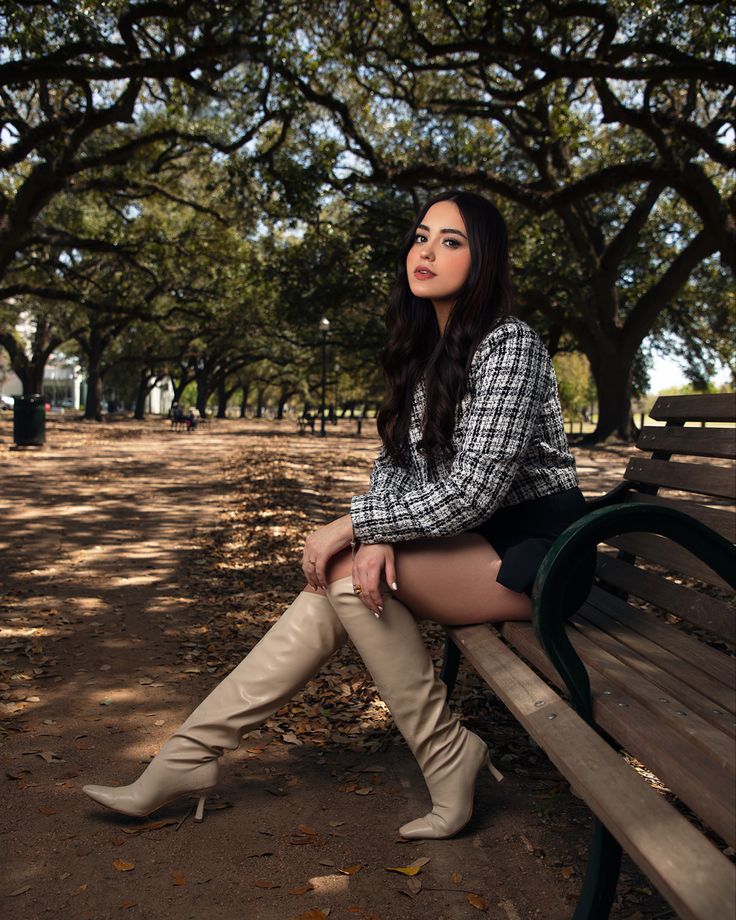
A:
(509, 442)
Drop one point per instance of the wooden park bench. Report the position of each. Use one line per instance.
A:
(642, 667)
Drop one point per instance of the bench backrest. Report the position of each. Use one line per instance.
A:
(691, 468)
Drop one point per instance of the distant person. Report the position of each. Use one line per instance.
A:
(191, 419)
(177, 416)
(473, 484)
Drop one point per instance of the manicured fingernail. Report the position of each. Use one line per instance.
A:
(380, 609)
(376, 615)
(394, 586)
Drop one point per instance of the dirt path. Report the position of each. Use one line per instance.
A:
(130, 584)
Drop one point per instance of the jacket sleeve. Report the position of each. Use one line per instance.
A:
(510, 379)
(385, 476)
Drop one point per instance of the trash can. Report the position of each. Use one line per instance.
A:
(29, 421)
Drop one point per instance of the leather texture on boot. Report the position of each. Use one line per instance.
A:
(279, 665)
(448, 754)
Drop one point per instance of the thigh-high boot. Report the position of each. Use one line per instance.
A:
(449, 755)
(279, 665)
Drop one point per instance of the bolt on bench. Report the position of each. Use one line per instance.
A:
(635, 665)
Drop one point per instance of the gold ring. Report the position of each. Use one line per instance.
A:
(357, 590)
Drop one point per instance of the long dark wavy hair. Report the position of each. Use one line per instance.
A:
(415, 347)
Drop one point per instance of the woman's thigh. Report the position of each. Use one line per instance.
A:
(452, 580)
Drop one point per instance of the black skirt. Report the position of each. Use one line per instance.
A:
(522, 534)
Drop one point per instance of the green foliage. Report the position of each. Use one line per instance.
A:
(574, 382)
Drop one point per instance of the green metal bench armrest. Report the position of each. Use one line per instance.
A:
(615, 496)
(548, 612)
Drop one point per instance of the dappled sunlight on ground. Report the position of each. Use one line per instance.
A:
(137, 567)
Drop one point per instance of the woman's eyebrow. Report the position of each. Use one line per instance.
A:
(443, 230)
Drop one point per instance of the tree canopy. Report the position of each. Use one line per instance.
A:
(201, 182)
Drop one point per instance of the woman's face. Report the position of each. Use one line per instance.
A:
(438, 263)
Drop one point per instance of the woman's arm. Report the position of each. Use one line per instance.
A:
(511, 382)
(321, 545)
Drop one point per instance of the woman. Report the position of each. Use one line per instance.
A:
(473, 484)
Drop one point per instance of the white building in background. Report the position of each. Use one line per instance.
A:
(63, 382)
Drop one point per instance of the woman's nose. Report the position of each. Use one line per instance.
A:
(427, 252)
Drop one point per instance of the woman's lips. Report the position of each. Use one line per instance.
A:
(422, 273)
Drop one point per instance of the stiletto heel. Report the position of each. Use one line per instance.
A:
(496, 774)
(290, 653)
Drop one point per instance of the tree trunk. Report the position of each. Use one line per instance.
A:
(261, 401)
(93, 406)
(283, 399)
(244, 399)
(612, 370)
(30, 368)
(221, 395)
(143, 390)
(204, 388)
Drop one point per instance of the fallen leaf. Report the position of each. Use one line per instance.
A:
(306, 829)
(126, 905)
(414, 886)
(456, 878)
(302, 889)
(80, 890)
(47, 810)
(567, 872)
(351, 870)
(336, 823)
(122, 866)
(366, 790)
(178, 878)
(264, 883)
(14, 894)
(413, 869)
(314, 914)
(478, 902)
(291, 738)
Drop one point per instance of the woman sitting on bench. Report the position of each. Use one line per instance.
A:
(473, 484)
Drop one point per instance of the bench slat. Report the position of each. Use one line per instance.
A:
(668, 554)
(674, 640)
(695, 442)
(722, 520)
(700, 478)
(684, 766)
(697, 691)
(690, 872)
(709, 613)
(708, 407)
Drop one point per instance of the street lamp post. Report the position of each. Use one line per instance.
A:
(324, 328)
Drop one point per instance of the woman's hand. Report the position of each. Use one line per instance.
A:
(321, 545)
(371, 561)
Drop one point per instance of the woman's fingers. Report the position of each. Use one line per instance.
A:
(369, 593)
(391, 572)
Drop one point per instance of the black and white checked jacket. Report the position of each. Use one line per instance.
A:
(509, 441)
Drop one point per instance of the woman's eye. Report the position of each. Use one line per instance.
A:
(452, 244)
(420, 238)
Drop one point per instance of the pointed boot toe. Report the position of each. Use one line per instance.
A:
(117, 798)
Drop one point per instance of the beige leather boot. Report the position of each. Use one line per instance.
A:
(450, 756)
(279, 665)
